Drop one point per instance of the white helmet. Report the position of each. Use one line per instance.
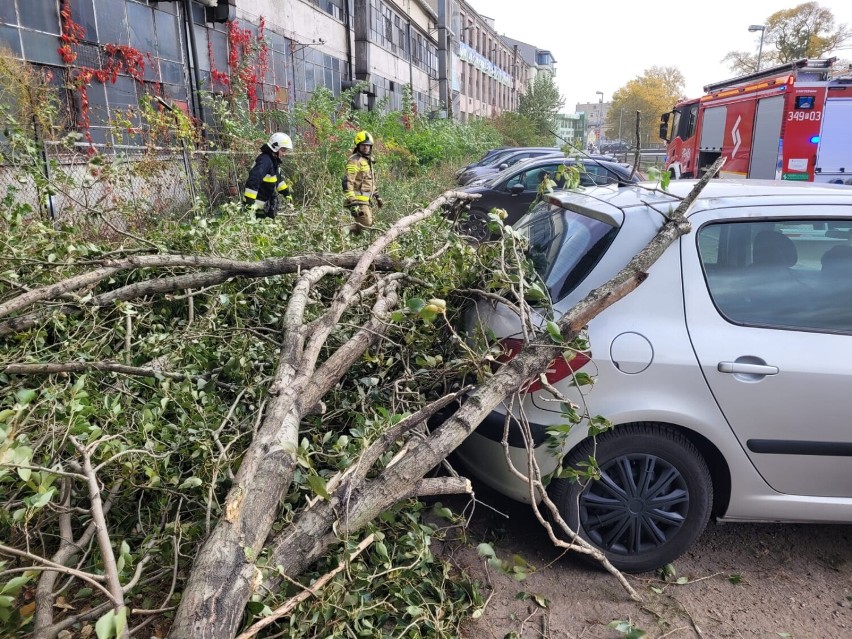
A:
(280, 141)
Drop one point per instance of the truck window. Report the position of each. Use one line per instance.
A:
(685, 124)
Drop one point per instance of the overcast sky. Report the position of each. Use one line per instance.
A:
(602, 45)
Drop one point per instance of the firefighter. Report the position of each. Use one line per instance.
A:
(265, 183)
(359, 183)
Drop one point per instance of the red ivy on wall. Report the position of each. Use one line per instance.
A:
(119, 58)
(248, 60)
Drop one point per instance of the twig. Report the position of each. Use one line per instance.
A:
(291, 603)
(102, 533)
(49, 565)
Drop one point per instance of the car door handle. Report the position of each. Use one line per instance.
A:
(747, 369)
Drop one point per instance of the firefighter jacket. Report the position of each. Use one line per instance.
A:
(359, 183)
(265, 182)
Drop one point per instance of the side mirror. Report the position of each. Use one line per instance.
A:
(516, 189)
(503, 166)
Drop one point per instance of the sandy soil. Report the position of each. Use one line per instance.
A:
(744, 581)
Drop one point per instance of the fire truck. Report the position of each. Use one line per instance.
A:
(789, 122)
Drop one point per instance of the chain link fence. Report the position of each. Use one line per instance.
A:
(118, 188)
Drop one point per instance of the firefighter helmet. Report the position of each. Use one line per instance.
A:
(280, 141)
(363, 137)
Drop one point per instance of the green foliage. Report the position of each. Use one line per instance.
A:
(168, 445)
(516, 129)
(540, 104)
(804, 31)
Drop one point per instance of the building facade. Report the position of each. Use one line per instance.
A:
(488, 72)
(104, 55)
(571, 129)
(595, 113)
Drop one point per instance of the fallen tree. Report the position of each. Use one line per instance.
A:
(260, 539)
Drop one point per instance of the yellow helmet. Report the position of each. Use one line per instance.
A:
(363, 137)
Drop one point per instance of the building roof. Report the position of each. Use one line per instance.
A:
(528, 51)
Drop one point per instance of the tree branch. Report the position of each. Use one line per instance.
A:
(314, 589)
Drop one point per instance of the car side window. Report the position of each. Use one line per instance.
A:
(785, 273)
(594, 175)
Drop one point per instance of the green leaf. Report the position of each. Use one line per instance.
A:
(381, 549)
(737, 579)
(25, 395)
(485, 550)
(415, 304)
(554, 332)
(190, 482)
(6, 601)
(105, 626)
(14, 585)
(682, 580)
(43, 499)
(317, 484)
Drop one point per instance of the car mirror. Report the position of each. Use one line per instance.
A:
(503, 166)
(516, 189)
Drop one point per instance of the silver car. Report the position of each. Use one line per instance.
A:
(726, 374)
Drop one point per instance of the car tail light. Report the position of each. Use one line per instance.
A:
(558, 369)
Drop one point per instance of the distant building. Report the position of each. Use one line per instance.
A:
(571, 129)
(596, 113)
(488, 73)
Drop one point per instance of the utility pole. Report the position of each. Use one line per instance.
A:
(443, 54)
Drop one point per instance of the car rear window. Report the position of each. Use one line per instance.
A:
(564, 246)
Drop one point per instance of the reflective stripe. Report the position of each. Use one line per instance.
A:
(258, 204)
(250, 193)
(282, 186)
(270, 178)
(362, 198)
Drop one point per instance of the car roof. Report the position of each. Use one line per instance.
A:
(523, 165)
(718, 193)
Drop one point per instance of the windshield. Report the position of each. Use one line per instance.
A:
(564, 246)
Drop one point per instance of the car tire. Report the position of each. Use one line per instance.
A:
(633, 536)
(474, 226)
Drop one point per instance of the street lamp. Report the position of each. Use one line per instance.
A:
(762, 28)
(600, 118)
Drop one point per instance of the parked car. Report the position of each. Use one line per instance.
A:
(517, 188)
(503, 161)
(489, 155)
(725, 374)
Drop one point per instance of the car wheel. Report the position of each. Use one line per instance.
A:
(651, 503)
(474, 226)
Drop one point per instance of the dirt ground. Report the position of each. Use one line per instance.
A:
(742, 581)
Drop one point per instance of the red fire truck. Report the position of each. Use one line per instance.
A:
(789, 122)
